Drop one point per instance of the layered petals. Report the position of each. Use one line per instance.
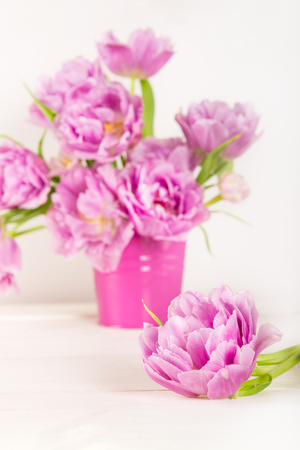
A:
(24, 180)
(233, 187)
(86, 214)
(162, 202)
(76, 78)
(209, 124)
(173, 150)
(142, 57)
(101, 126)
(213, 359)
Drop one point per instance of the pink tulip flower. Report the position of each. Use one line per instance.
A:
(101, 126)
(173, 150)
(86, 215)
(142, 58)
(24, 181)
(208, 346)
(162, 202)
(10, 263)
(75, 79)
(209, 124)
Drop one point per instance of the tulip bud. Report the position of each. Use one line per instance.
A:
(233, 187)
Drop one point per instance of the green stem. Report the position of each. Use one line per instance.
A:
(279, 369)
(148, 102)
(132, 86)
(210, 186)
(259, 371)
(214, 200)
(40, 145)
(10, 139)
(206, 240)
(11, 215)
(35, 212)
(231, 215)
(29, 230)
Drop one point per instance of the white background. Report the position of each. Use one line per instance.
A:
(230, 50)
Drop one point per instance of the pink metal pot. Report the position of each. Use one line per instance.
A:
(150, 270)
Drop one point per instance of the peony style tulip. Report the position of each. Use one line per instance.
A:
(162, 202)
(208, 346)
(172, 150)
(233, 187)
(62, 163)
(209, 124)
(142, 58)
(24, 181)
(101, 125)
(10, 263)
(86, 214)
(76, 78)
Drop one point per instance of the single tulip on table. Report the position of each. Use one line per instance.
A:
(210, 346)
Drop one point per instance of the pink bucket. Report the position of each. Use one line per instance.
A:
(150, 270)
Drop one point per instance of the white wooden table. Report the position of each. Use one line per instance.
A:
(68, 384)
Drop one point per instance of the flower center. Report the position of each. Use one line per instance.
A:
(101, 224)
(115, 128)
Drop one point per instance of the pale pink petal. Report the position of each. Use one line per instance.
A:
(227, 381)
(196, 380)
(169, 384)
(267, 335)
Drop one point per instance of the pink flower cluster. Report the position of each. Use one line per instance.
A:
(108, 182)
(208, 346)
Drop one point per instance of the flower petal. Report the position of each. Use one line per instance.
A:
(227, 381)
(169, 384)
(267, 335)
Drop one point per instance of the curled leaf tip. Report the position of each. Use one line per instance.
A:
(152, 315)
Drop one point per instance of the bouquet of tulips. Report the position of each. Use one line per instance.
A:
(112, 178)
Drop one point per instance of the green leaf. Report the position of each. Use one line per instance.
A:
(277, 357)
(233, 216)
(90, 162)
(40, 145)
(48, 113)
(206, 240)
(252, 387)
(223, 166)
(132, 86)
(148, 101)
(213, 200)
(153, 315)
(11, 139)
(259, 371)
(286, 365)
(210, 161)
